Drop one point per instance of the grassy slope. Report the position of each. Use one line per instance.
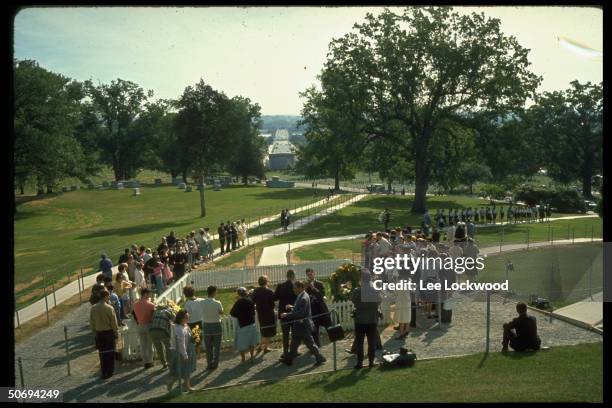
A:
(63, 233)
(562, 374)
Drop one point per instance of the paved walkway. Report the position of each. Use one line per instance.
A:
(588, 312)
(68, 291)
(465, 335)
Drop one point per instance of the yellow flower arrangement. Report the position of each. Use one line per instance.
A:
(196, 334)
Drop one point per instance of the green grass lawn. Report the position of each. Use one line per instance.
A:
(63, 233)
(559, 274)
(561, 374)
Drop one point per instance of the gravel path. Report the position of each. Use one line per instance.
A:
(465, 335)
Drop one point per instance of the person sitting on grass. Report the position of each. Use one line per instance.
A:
(522, 332)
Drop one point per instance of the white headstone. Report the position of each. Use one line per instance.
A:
(136, 191)
(182, 186)
(119, 186)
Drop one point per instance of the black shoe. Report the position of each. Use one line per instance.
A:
(287, 361)
(396, 327)
(358, 366)
(320, 362)
(147, 366)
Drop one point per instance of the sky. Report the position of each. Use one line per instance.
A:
(269, 54)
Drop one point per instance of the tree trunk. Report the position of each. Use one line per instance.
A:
(202, 202)
(49, 189)
(21, 189)
(337, 181)
(245, 179)
(587, 174)
(420, 186)
(116, 169)
(586, 185)
(173, 174)
(471, 188)
(185, 175)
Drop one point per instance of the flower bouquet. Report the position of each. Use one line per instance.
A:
(196, 335)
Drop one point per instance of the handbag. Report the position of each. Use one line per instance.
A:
(335, 332)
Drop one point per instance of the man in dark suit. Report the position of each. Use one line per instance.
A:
(228, 237)
(522, 332)
(221, 232)
(302, 325)
(320, 312)
(285, 296)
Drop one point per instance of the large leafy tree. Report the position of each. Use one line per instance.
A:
(248, 155)
(506, 146)
(424, 66)
(333, 137)
(118, 105)
(203, 126)
(163, 150)
(47, 113)
(569, 130)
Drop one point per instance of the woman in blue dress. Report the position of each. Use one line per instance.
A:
(182, 352)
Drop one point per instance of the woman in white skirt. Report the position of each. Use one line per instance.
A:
(402, 312)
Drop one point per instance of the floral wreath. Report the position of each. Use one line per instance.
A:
(345, 278)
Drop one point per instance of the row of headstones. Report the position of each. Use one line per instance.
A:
(120, 185)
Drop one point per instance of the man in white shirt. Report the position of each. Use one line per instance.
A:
(147, 255)
(201, 240)
(383, 246)
(209, 249)
(212, 310)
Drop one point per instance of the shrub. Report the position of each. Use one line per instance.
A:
(494, 191)
(564, 201)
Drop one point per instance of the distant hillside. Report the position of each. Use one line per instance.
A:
(273, 122)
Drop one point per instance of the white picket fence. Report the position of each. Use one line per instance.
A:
(341, 312)
(235, 277)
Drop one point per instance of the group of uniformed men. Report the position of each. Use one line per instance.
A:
(493, 214)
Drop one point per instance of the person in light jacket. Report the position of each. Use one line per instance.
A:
(182, 352)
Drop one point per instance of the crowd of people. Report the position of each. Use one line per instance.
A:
(180, 337)
(140, 266)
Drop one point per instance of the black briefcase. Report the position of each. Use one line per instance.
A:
(335, 333)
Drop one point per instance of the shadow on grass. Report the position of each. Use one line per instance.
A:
(139, 229)
(285, 194)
